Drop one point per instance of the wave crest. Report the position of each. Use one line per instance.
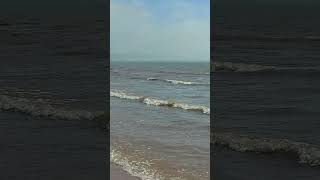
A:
(152, 79)
(180, 82)
(141, 169)
(160, 102)
(307, 153)
(176, 82)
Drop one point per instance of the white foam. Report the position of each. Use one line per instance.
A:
(180, 82)
(201, 108)
(141, 169)
(160, 102)
(152, 79)
(177, 82)
(157, 102)
(123, 95)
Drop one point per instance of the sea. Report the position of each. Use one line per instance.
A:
(160, 118)
(53, 86)
(266, 91)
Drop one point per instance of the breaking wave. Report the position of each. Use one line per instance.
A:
(152, 79)
(180, 82)
(176, 81)
(239, 67)
(141, 169)
(159, 102)
(143, 159)
(36, 107)
(307, 153)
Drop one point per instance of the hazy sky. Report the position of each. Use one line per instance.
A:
(160, 30)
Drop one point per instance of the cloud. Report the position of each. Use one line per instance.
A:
(138, 33)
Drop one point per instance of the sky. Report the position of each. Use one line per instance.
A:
(160, 30)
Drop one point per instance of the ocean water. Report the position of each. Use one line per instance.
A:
(39, 64)
(265, 92)
(160, 119)
(52, 87)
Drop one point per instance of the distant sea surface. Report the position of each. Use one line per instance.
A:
(160, 119)
(266, 92)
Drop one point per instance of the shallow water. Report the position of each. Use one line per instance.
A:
(160, 119)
